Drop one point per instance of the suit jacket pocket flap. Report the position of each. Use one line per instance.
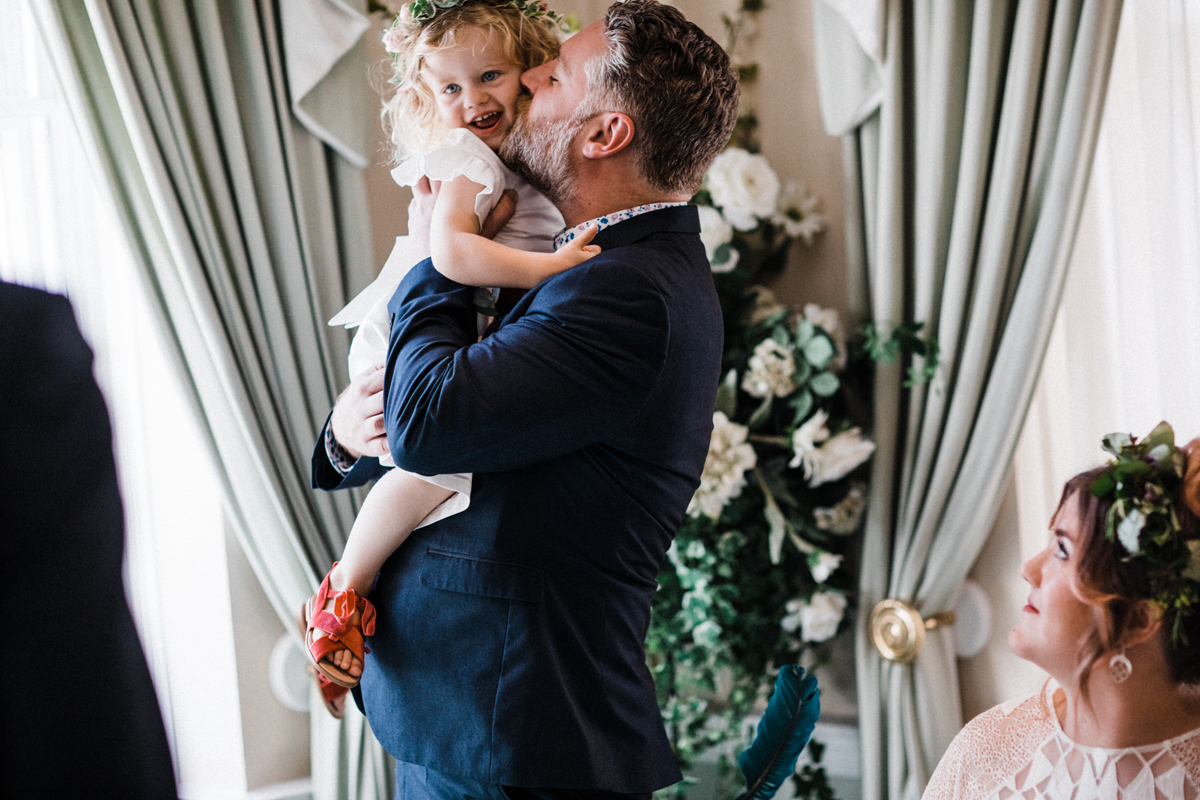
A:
(458, 572)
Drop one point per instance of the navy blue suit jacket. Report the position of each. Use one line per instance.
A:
(81, 719)
(509, 645)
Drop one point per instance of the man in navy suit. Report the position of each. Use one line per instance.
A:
(508, 658)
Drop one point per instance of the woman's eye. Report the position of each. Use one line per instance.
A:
(490, 75)
(553, 79)
(1060, 550)
(451, 89)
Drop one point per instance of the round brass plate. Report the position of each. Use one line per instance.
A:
(898, 631)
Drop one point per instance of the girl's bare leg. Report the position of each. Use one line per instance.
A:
(393, 509)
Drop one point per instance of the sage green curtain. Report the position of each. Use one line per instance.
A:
(966, 183)
(244, 224)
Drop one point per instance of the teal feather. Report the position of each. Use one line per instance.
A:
(782, 733)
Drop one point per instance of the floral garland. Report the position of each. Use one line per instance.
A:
(1143, 480)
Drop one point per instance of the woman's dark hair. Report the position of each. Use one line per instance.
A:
(1120, 586)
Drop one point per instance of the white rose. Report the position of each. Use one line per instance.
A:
(1129, 530)
(822, 565)
(844, 517)
(798, 213)
(724, 476)
(770, 371)
(821, 615)
(839, 455)
(805, 439)
(393, 40)
(744, 186)
(714, 232)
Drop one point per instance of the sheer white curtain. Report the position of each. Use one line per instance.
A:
(1125, 352)
(58, 232)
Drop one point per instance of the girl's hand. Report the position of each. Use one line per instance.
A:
(579, 249)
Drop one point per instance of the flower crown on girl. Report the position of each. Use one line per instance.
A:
(422, 11)
(1144, 480)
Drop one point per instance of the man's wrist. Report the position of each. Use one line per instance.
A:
(341, 460)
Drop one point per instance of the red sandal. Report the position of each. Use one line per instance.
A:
(332, 695)
(351, 619)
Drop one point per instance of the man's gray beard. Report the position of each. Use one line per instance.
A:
(540, 152)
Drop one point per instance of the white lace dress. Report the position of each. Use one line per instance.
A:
(532, 227)
(1019, 750)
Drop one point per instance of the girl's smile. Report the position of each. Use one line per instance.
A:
(475, 85)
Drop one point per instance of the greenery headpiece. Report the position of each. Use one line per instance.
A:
(422, 11)
(425, 10)
(1144, 480)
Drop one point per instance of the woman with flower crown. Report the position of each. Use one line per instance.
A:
(457, 67)
(1114, 617)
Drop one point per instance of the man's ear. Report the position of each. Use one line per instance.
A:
(608, 134)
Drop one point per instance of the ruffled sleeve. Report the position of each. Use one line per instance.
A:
(461, 153)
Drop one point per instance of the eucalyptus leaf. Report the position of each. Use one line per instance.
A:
(722, 254)
(823, 384)
(761, 414)
(805, 330)
(803, 405)
(778, 530)
(818, 350)
(781, 336)
(802, 372)
(727, 394)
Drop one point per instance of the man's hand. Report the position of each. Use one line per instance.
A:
(420, 217)
(357, 419)
(500, 215)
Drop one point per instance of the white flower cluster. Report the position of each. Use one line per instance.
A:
(747, 191)
(832, 460)
(724, 476)
(743, 186)
(822, 564)
(771, 368)
(843, 517)
(817, 617)
(798, 213)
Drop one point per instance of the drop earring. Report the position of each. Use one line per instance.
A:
(1120, 668)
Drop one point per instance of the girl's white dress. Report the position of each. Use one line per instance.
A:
(533, 227)
(1019, 750)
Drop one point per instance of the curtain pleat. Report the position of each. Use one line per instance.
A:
(243, 224)
(971, 175)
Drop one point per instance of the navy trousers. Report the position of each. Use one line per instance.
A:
(414, 782)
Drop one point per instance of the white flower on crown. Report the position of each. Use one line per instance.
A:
(1130, 529)
(843, 517)
(724, 476)
(771, 367)
(828, 319)
(714, 232)
(744, 186)
(393, 40)
(817, 618)
(822, 564)
(798, 213)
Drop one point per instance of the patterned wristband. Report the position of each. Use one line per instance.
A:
(342, 461)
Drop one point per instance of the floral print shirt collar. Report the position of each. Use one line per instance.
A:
(610, 219)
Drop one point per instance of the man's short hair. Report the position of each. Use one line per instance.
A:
(677, 86)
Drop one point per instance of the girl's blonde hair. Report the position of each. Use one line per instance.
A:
(410, 115)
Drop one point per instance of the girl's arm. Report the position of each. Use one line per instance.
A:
(463, 256)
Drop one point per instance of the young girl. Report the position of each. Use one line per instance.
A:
(458, 72)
